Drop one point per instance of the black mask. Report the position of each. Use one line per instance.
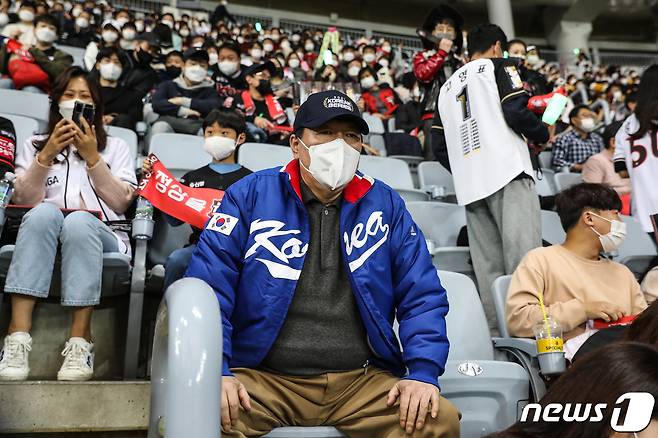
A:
(144, 57)
(173, 72)
(264, 87)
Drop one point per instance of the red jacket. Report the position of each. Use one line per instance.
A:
(386, 96)
(426, 64)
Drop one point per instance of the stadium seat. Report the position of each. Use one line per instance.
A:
(180, 153)
(433, 174)
(375, 124)
(637, 242)
(551, 228)
(126, 135)
(523, 350)
(290, 113)
(413, 195)
(441, 223)
(187, 356)
(22, 103)
(377, 142)
(413, 162)
(390, 171)
(25, 127)
(259, 156)
(564, 180)
(166, 239)
(77, 53)
(545, 159)
(545, 183)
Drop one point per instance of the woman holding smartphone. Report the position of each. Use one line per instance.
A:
(74, 166)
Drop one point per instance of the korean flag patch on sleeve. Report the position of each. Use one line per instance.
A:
(514, 77)
(222, 223)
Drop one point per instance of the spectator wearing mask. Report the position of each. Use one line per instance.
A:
(79, 32)
(264, 112)
(577, 284)
(436, 62)
(535, 82)
(353, 69)
(380, 100)
(50, 60)
(323, 320)
(326, 73)
(170, 40)
(183, 102)
(227, 73)
(128, 35)
(369, 56)
(141, 76)
(481, 137)
(109, 38)
(73, 167)
(574, 146)
(284, 46)
(311, 55)
(268, 47)
(293, 70)
(23, 31)
(615, 97)
(224, 131)
(123, 106)
(600, 169)
(407, 116)
(255, 54)
(173, 66)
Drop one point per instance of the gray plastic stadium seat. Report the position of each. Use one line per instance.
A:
(490, 400)
(25, 127)
(546, 185)
(377, 142)
(259, 156)
(22, 103)
(413, 162)
(433, 174)
(166, 239)
(180, 153)
(441, 223)
(375, 124)
(545, 158)
(564, 180)
(390, 171)
(637, 242)
(77, 53)
(413, 195)
(551, 228)
(126, 135)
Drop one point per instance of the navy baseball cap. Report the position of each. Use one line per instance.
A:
(324, 106)
(196, 53)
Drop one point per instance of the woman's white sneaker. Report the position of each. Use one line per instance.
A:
(14, 356)
(78, 360)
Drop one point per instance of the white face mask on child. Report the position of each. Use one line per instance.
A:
(219, 147)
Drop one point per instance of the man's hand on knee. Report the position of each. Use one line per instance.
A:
(416, 399)
(234, 395)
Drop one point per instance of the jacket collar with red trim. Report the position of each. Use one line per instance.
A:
(353, 191)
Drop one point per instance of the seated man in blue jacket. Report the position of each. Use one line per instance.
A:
(182, 103)
(311, 264)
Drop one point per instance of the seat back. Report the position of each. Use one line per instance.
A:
(551, 228)
(22, 103)
(439, 221)
(390, 171)
(544, 187)
(413, 195)
(545, 159)
(166, 239)
(25, 127)
(499, 294)
(180, 153)
(548, 181)
(126, 135)
(77, 53)
(259, 156)
(375, 124)
(466, 323)
(564, 180)
(432, 173)
(637, 242)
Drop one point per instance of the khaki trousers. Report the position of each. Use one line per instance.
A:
(354, 402)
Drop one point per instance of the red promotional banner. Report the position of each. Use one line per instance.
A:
(190, 205)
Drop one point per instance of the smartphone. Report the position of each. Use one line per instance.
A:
(85, 110)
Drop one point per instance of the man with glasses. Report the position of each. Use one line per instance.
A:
(311, 263)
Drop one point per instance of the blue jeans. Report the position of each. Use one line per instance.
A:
(254, 132)
(84, 239)
(8, 84)
(176, 265)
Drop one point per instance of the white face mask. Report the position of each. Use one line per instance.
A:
(369, 57)
(139, 25)
(109, 36)
(195, 73)
(66, 108)
(4, 19)
(353, 71)
(333, 164)
(367, 83)
(184, 33)
(268, 47)
(348, 56)
(383, 62)
(45, 35)
(611, 241)
(122, 20)
(309, 47)
(110, 71)
(295, 38)
(168, 23)
(76, 12)
(587, 124)
(128, 34)
(228, 67)
(213, 58)
(219, 147)
(256, 53)
(25, 15)
(82, 22)
(293, 63)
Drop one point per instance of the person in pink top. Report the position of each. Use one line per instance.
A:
(600, 169)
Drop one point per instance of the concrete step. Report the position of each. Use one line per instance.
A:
(71, 408)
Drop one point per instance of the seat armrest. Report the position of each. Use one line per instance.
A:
(527, 346)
